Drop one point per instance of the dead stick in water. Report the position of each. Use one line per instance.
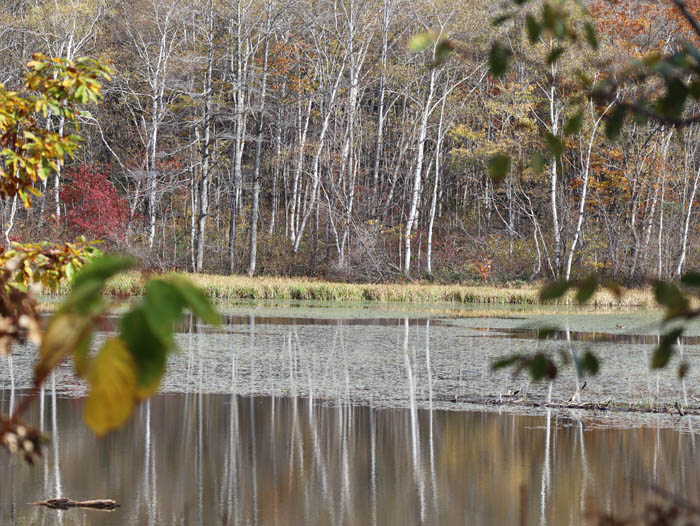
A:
(65, 504)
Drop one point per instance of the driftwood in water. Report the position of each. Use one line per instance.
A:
(66, 504)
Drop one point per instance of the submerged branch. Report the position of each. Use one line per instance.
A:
(66, 504)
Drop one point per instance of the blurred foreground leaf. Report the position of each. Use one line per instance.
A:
(554, 290)
(663, 352)
(63, 335)
(586, 289)
(499, 166)
(499, 57)
(113, 380)
(589, 363)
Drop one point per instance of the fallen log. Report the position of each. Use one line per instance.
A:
(66, 504)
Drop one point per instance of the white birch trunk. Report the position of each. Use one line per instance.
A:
(418, 172)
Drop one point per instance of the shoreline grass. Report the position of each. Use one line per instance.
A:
(281, 288)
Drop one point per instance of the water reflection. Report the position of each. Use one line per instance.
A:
(568, 335)
(410, 363)
(110, 323)
(224, 459)
(276, 421)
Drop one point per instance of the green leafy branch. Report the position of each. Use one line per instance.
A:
(677, 305)
(28, 151)
(678, 74)
(24, 267)
(129, 367)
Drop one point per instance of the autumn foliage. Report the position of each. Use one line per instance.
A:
(94, 208)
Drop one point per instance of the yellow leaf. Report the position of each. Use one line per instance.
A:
(63, 334)
(113, 381)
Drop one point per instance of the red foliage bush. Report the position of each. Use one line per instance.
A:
(94, 208)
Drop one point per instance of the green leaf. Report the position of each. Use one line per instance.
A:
(663, 352)
(691, 279)
(543, 333)
(586, 289)
(443, 51)
(421, 41)
(499, 166)
(670, 297)
(555, 55)
(499, 20)
(614, 287)
(560, 30)
(195, 299)
(692, 51)
(556, 147)
(113, 384)
(694, 89)
(673, 102)
(81, 355)
(573, 124)
(499, 57)
(589, 363)
(69, 271)
(538, 162)
(541, 367)
(591, 35)
(502, 363)
(549, 16)
(554, 290)
(584, 79)
(85, 298)
(613, 124)
(639, 117)
(103, 268)
(534, 29)
(148, 351)
(162, 307)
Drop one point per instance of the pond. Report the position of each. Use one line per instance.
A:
(329, 415)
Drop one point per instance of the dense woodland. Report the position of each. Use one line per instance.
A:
(299, 137)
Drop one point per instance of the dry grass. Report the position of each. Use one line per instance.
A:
(269, 288)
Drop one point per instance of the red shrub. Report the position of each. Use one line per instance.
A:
(94, 208)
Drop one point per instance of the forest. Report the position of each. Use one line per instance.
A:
(343, 140)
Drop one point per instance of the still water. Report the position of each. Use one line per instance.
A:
(294, 418)
(225, 459)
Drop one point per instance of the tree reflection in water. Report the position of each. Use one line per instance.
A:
(303, 451)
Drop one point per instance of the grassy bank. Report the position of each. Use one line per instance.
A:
(267, 288)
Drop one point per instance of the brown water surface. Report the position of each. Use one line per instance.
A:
(223, 459)
(277, 419)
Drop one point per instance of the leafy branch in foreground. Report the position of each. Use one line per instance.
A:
(24, 267)
(128, 367)
(28, 150)
(541, 366)
(677, 306)
(664, 85)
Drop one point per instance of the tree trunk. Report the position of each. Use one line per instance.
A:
(436, 182)
(418, 172)
(206, 146)
(254, 209)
